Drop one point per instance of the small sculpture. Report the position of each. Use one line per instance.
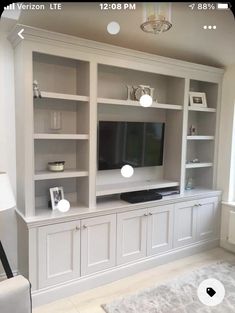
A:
(36, 90)
(192, 130)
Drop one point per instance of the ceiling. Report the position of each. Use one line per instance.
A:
(187, 40)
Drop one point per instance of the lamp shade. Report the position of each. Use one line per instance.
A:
(7, 200)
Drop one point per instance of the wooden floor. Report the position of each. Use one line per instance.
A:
(90, 301)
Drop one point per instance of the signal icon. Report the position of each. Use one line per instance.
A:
(10, 7)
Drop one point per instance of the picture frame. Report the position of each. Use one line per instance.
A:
(56, 194)
(197, 99)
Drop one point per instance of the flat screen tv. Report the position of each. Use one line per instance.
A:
(138, 144)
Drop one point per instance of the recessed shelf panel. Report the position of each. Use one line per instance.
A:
(199, 165)
(102, 190)
(43, 175)
(136, 103)
(62, 136)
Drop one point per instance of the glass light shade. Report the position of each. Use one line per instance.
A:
(157, 17)
(7, 200)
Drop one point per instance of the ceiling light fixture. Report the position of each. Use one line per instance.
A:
(157, 17)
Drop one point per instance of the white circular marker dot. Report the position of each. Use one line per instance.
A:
(63, 205)
(205, 27)
(211, 292)
(113, 28)
(214, 27)
(127, 171)
(209, 27)
(146, 100)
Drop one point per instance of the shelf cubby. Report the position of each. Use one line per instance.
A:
(60, 75)
(74, 116)
(75, 191)
(73, 152)
(211, 91)
(203, 122)
(113, 81)
(202, 177)
(203, 150)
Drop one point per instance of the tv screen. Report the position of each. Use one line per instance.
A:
(135, 143)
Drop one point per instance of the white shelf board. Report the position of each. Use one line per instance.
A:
(192, 108)
(62, 136)
(200, 137)
(199, 165)
(63, 96)
(136, 103)
(43, 175)
(104, 190)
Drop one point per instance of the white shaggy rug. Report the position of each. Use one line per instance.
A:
(180, 295)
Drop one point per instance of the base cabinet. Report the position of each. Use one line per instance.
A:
(196, 221)
(84, 247)
(58, 253)
(98, 243)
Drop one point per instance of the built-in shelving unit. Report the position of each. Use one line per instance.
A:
(83, 90)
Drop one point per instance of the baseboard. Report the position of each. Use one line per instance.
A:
(67, 289)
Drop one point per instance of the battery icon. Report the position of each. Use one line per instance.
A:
(222, 6)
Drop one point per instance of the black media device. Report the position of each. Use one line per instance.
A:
(138, 144)
(141, 196)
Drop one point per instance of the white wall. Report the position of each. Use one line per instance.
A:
(8, 226)
(225, 149)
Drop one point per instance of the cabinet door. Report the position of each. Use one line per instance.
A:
(207, 218)
(160, 229)
(185, 223)
(58, 253)
(131, 235)
(98, 243)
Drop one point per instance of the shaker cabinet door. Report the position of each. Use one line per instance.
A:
(131, 235)
(98, 243)
(59, 253)
(160, 229)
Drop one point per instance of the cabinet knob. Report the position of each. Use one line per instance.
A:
(150, 213)
(84, 226)
(77, 228)
(145, 214)
(199, 204)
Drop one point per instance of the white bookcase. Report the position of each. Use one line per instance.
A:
(86, 82)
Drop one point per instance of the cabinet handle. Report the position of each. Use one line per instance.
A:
(145, 214)
(77, 228)
(199, 204)
(84, 226)
(150, 213)
(196, 205)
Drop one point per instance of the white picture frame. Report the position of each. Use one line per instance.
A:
(197, 99)
(56, 194)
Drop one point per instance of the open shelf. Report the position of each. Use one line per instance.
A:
(192, 108)
(103, 190)
(136, 103)
(62, 96)
(200, 137)
(43, 175)
(62, 136)
(199, 165)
